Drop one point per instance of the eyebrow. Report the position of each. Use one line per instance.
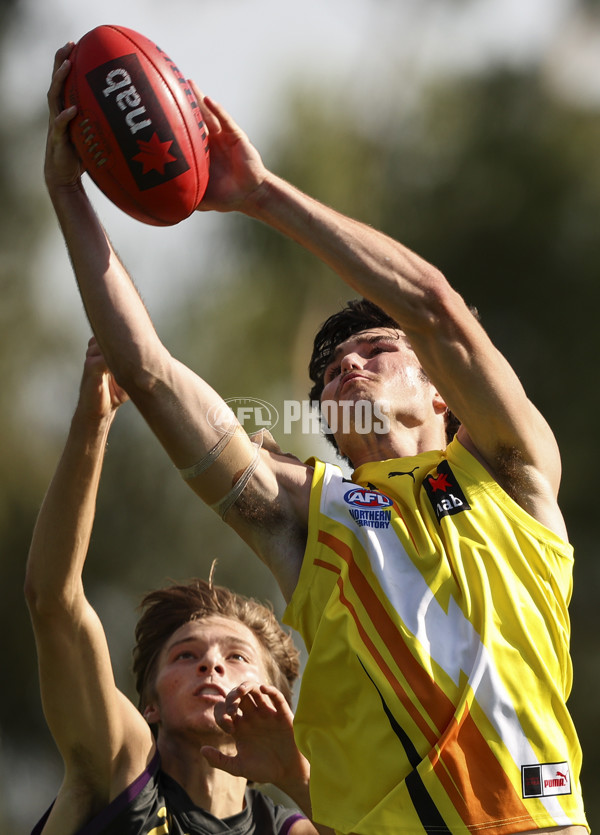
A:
(229, 640)
(369, 340)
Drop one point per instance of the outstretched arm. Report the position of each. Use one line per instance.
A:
(500, 425)
(261, 723)
(176, 403)
(102, 737)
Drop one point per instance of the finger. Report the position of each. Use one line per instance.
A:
(275, 695)
(220, 760)
(250, 696)
(232, 701)
(116, 389)
(211, 122)
(218, 112)
(59, 116)
(258, 700)
(234, 697)
(198, 94)
(93, 349)
(96, 367)
(224, 718)
(58, 79)
(279, 701)
(64, 117)
(61, 54)
(94, 354)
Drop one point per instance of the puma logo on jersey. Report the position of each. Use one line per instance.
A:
(411, 473)
(546, 779)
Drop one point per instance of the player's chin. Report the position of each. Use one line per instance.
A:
(210, 732)
(204, 722)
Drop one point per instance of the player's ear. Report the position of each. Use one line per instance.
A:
(439, 404)
(151, 713)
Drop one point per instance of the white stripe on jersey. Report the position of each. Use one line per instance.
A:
(448, 637)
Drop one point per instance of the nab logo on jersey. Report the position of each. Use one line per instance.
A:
(444, 492)
(361, 497)
(136, 118)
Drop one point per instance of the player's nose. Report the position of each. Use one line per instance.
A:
(211, 662)
(350, 361)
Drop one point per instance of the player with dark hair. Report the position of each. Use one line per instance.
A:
(432, 588)
(206, 659)
(358, 315)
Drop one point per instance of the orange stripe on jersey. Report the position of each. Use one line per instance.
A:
(438, 706)
(467, 790)
(329, 566)
(478, 795)
(409, 706)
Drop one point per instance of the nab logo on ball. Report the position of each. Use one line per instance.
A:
(136, 118)
(361, 497)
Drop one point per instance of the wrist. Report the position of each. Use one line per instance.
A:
(57, 189)
(90, 422)
(296, 784)
(257, 203)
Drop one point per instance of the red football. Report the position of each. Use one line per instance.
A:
(138, 129)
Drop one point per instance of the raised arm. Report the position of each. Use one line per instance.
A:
(104, 741)
(500, 425)
(175, 402)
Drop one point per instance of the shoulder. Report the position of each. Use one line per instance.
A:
(532, 487)
(79, 808)
(271, 514)
(268, 816)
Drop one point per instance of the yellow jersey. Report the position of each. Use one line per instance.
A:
(434, 609)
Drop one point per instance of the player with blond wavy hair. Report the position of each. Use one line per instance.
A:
(214, 672)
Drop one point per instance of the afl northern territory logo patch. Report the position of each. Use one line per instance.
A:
(369, 508)
(444, 492)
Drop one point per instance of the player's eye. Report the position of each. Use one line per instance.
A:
(183, 655)
(238, 656)
(331, 372)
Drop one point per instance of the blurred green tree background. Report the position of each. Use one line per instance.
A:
(493, 177)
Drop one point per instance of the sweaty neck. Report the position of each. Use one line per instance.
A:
(399, 442)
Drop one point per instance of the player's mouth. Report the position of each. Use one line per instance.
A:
(211, 692)
(350, 377)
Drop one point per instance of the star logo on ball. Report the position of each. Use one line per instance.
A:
(154, 154)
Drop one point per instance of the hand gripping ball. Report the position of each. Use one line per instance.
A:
(138, 129)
